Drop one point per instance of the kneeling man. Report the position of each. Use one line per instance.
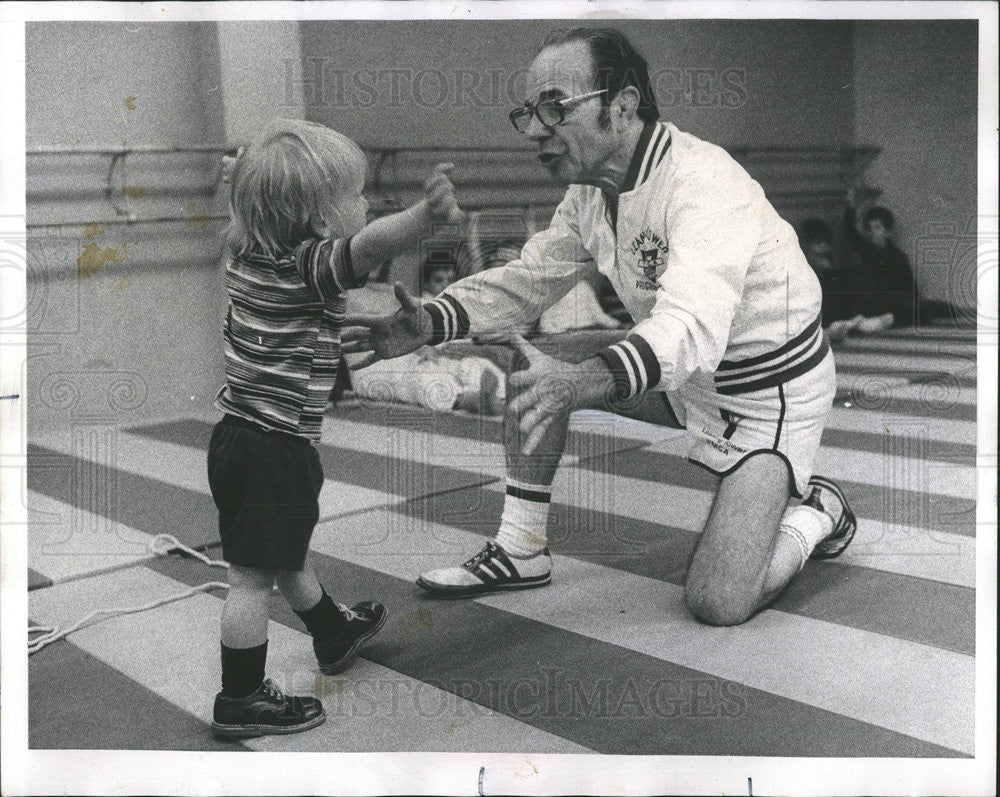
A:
(727, 342)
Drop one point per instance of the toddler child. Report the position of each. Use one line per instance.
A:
(297, 241)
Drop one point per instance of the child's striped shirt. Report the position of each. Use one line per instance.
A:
(282, 334)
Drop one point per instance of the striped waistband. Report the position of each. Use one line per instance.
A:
(802, 353)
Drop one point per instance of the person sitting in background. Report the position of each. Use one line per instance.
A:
(447, 377)
(886, 281)
(884, 277)
(435, 277)
(578, 309)
(840, 300)
(436, 378)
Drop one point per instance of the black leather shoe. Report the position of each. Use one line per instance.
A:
(266, 711)
(363, 621)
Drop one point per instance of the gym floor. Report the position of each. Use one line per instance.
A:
(869, 655)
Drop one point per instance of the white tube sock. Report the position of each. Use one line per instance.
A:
(525, 516)
(807, 527)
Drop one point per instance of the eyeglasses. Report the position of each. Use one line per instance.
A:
(549, 112)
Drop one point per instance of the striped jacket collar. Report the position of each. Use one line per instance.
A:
(649, 151)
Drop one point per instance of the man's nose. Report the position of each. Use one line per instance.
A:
(536, 130)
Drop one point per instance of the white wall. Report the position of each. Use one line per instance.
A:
(151, 314)
(915, 96)
(252, 64)
(762, 83)
(79, 75)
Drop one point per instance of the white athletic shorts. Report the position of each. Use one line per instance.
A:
(786, 419)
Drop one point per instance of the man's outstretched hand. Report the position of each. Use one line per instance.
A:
(548, 388)
(386, 336)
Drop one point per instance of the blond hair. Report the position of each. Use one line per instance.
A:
(285, 186)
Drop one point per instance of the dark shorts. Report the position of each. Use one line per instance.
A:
(266, 486)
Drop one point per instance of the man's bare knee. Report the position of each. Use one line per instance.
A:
(714, 607)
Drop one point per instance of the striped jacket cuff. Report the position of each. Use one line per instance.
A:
(633, 365)
(449, 319)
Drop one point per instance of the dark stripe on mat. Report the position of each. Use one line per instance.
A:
(580, 443)
(529, 671)
(915, 609)
(895, 444)
(76, 701)
(964, 331)
(912, 377)
(925, 344)
(406, 478)
(142, 502)
(957, 349)
(911, 507)
(908, 507)
(933, 407)
(37, 580)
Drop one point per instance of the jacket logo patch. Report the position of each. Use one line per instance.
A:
(650, 249)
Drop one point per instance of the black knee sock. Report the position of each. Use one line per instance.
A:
(323, 620)
(242, 670)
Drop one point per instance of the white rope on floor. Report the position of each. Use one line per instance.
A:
(160, 545)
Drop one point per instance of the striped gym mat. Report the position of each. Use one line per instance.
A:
(869, 655)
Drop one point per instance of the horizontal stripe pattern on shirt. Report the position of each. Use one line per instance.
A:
(798, 355)
(282, 334)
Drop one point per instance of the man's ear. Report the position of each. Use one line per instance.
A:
(626, 103)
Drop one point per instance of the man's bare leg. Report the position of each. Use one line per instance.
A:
(742, 561)
(517, 558)
(523, 525)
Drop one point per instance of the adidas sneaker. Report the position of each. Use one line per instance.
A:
(827, 497)
(490, 570)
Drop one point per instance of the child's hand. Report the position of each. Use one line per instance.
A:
(229, 165)
(440, 195)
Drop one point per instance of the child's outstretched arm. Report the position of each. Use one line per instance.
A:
(392, 235)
